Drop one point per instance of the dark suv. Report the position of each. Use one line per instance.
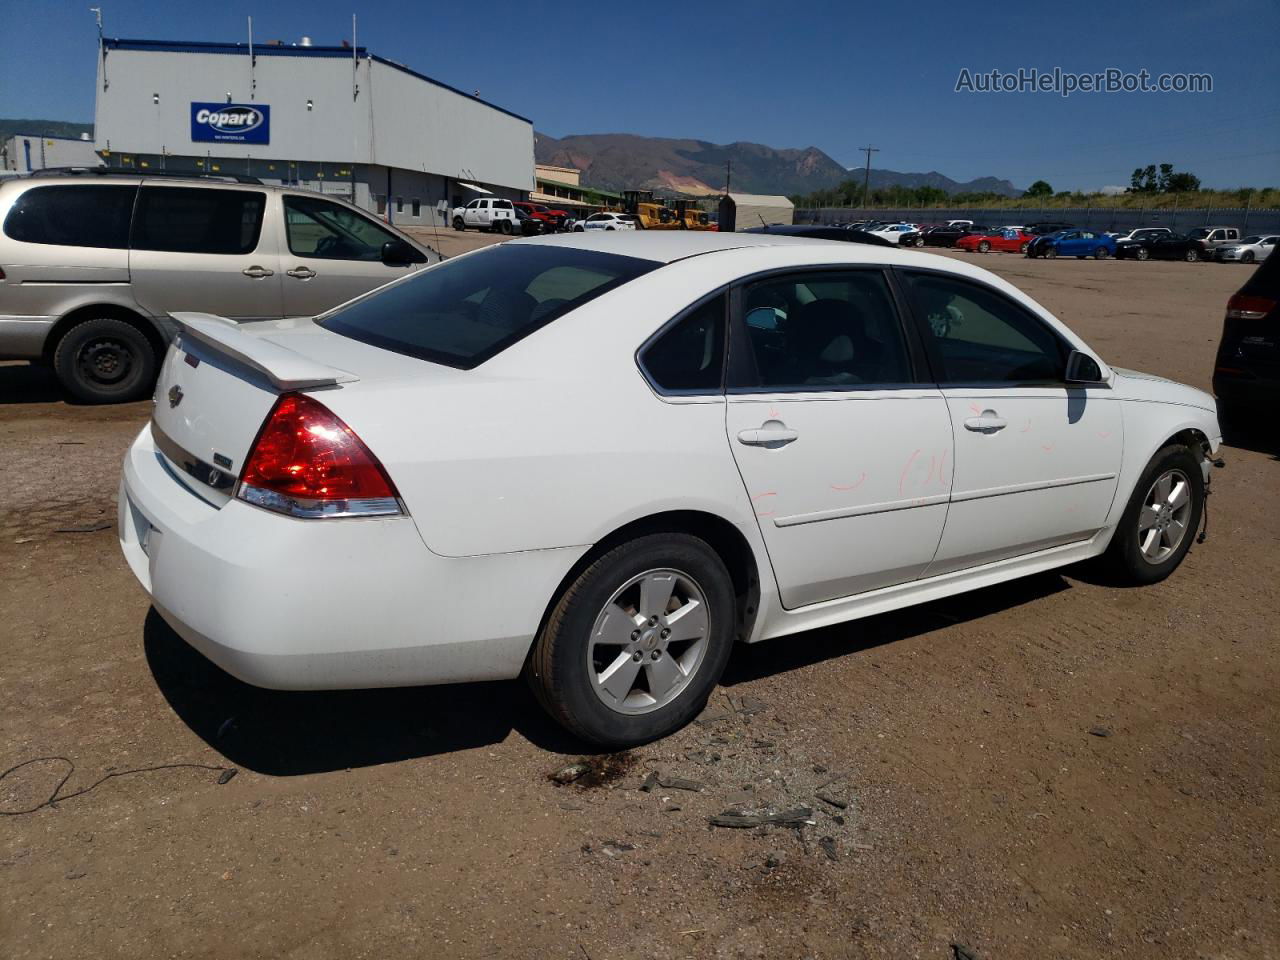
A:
(1246, 376)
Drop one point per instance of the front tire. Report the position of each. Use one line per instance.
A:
(635, 645)
(1192, 255)
(1161, 519)
(504, 227)
(984, 247)
(1246, 257)
(1143, 253)
(459, 224)
(105, 360)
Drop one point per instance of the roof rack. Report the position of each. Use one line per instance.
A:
(117, 172)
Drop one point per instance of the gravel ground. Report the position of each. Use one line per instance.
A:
(1048, 768)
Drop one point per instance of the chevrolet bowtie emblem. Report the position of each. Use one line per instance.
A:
(175, 395)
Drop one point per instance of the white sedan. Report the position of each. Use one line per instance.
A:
(599, 462)
(606, 221)
(1250, 249)
(891, 231)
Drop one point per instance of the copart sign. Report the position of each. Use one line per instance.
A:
(230, 123)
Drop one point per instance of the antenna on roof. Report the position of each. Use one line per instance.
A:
(253, 62)
(355, 62)
(102, 50)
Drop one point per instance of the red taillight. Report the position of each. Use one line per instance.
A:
(1241, 307)
(307, 463)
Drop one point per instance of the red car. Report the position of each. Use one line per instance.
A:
(552, 220)
(1010, 241)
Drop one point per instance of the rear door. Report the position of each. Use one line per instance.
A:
(845, 453)
(206, 249)
(1036, 459)
(331, 254)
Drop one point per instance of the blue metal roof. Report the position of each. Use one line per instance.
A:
(280, 50)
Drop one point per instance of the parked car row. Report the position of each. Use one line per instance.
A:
(523, 217)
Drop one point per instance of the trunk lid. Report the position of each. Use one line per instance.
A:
(220, 380)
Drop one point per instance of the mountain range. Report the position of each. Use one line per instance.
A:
(619, 161)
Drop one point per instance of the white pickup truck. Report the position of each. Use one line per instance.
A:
(489, 213)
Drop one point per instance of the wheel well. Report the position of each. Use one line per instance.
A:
(1190, 438)
(721, 535)
(95, 311)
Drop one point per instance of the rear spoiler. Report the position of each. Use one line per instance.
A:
(286, 369)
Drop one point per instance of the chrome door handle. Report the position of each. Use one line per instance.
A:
(257, 272)
(772, 434)
(301, 273)
(988, 423)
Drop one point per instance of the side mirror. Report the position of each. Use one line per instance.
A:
(1082, 368)
(398, 253)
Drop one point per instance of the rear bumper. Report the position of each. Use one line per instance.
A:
(23, 338)
(330, 604)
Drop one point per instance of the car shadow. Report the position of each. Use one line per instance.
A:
(28, 383)
(289, 733)
(1259, 435)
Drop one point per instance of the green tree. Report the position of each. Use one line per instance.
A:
(1039, 189)
(1181, 183)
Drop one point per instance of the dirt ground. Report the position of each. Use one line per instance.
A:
(1052, 768)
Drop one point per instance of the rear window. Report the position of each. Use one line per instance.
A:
(463, 312)
(73, 216)
(198, 220)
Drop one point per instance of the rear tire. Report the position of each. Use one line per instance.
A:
(105, 360)
(1101, 253)
(1023, 249)
(504, 227)
(1126, 558)
(574, 661)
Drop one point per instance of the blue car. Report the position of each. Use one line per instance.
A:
(1073, 243)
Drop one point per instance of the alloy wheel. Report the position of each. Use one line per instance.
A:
(1165, 515)
(648, 641)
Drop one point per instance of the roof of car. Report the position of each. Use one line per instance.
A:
(667, 246)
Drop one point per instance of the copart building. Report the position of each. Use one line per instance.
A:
(336, 119)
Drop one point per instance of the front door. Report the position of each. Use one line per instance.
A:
(846, 455)
(332, 254)
(206, 249)
(1036, 459)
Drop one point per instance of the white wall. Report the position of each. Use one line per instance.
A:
(414, 124)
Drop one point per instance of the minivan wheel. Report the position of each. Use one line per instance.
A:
(1161, 519)
(635, 645)
(105, 360)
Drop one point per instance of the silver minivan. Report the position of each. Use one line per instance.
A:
(91, 266)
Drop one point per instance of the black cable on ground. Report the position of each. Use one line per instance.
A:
(225, 775)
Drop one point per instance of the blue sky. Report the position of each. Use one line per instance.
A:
(832, 75)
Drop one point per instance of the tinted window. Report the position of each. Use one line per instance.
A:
(91, 216)
(822, 330)
(193, 220)
(690, 355)
(466, 310)
(329, 231)
(979, 336)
